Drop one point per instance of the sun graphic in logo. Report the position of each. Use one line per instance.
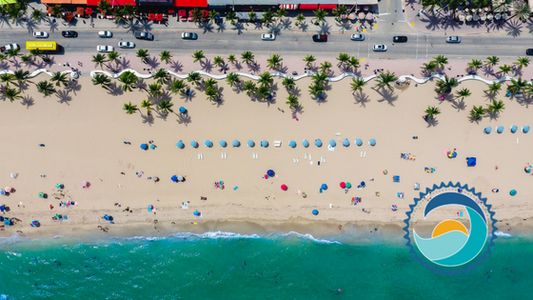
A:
(451, 244)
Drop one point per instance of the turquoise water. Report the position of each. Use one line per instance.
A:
(230, 266)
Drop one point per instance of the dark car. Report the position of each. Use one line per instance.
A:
(320, 38)
(529, 51)
(189, 36)
(399, 39)
(69, 34)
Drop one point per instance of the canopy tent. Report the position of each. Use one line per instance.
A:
(471, 161)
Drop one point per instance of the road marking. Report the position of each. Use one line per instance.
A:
(384, 14)
(416, 46)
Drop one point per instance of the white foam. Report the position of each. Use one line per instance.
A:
(501, 233)
(12, 239)
(310, 237)
(212, 235)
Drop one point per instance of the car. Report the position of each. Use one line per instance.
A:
(529, 51)
(105, 34)
(399, 39)
(8, 47)
(126, 44)
(141, 35)
(357, 37)
(105, 49)
(453, 39)
(69, 34)
(320, 38)
(379, 48)
(268, 36)
(40, 34)
(189, 36)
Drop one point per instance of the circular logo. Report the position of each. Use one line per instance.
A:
(451, 245)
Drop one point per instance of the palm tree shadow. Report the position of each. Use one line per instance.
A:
(206, 26)
(298, 109)
(31, 25)
(125, 63)
(27, 101)
(258, 25)
(63, 97)
(141, 84)
(303, 26)
(237, 66)
(286, 24)
(344, 26)
(296, 91)
(526, 101)
(490, 96)
(4, 65)
(432, 123)
(141, 25)
(361, 98)
(388, 95)
(283, 69)
(459, 105)
(207, 65)
(152, 62)
(115, 89)
(324, 28)
(254, 67)
(221, 27)
(184, 119)
(73, 86)
(488, 71)
(432, 22)
(513, 27)
(161, 115)
(53, 26)
(147, 119)
(493, 116)
(176, 66)
(239, 27)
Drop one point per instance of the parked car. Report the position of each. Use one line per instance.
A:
(105, 34)
(69, 34)
(453, 39)
(399, 39)
(189, 36)
(141, 35)
(40, 34)
(8, 47)
(379, 48)
(529, 51)
(104, 49)
(268, 36)
(126, 44)
(320, 38)
(357, 37)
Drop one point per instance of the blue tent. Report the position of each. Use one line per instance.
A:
(180, 144)
(470, 161)
(315, 212)
(183, 110)
(174, 178)
(525, 129)
(194, 144)
(359, 142)
(222, 143)
(372, 142)
(487, 130)
(292, 144)
(270, 173)
(305, 143)
(264, 144)
(144, 146)
(514, 128)
(236, 143)
(500, 129)
(251, 143)
(318, 143)
(208, 143)
(324, 186)
(332, 143)
(346, 143)
(396, 178)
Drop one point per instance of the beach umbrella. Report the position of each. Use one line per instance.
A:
(372, 142)
(363, 184)
(525, 129)
(500, 129)
(174, 178)
(2, 208)
(359, 142)
(183, 110)
(332, 143)
(315, 212)
(292, 144)
(144, 146)
(346, 143)
(41, 195)
(194, 144)
(155, 178)
(264, 144)
(236, 143)
(208, 143)
(251, 143)
(305, 143)
(7, 189)
(59, 185)
(7, 222)
(348, 185)
(35, 223)
(452, 154)
(222, 143)
(2, 192)
(84, 184)
(270, 173)
(318, 143)
(284, 187)
(324, 186)
(196, 213)
(180, 178)
(180, 144)
(514, 129)
(527, 168)
(343, 185)
(487, 130)
(512, 192)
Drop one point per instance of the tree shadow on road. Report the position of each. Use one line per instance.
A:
(344, 26)
(206, 27)
(513, 28)
(324, 28)
(239, 27)
(221, 27)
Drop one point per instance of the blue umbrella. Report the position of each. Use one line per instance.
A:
(144, 146)
(180, 144)
(487, 130)
(183, 110)
(270, 173)
(196, 213)
(236, 143)
(208, 143)
(305, 143)
(500, 129)
(194, 144)
(324, 186)
(2, 208)
(346, 143)
(222, 143)
(292, 144)
(2, 192)
(525, 129)
(332, 143)
(318, 143)
(363, 184)
(514, 128)
(251, 143)
(372, 142)
(174, 178)
(359, 142)
(7, 222)
(264, 144)
(315, 212)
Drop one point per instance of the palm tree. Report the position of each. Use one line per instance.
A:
(309, 60)
(114, 57)
(320, 16)
(384, 79)
(429, 67)
(212, 15)
(56, 10)
(325, 67)
(166, 106)
(154, 90)
(274, 62)
(522, 62)
(477, 112)
(211, 92)
(2, 55)
(265, 79)
(128, 80)
(429, 5)
(517, 86)
(505, 69)
(36, 53)
(37, 14)
(165, 56)
(252, 16)
(282, 12)
(7, 78)
(178, 85)
(316, 89)
(231, 58)
(143, 55)
(522, 10)
(492, 61)
(197, 15)
(233, 78)
(12, 94)
(103, 80)
(353, 62)
(103, 6)
(231, 17)
(60, 78)
(148, 105)
(431, 112)
(13, 53)
(21, 76)
(247, 57)
(130, 108)
(299, 19)
(99, 60)
(463, 93)
(250, 87)
(268, 17)
(289, 83)
(343, 59)
(496, 107)
(26, 59)
(441, 61)
(446, 85)
(210, 82)
(339, 11)
(161, 76)
(292, 101)
(475, 64)
(218, 61)
(357, 84)
(494, 88)
(320, 78)
(45, 87)
(194, 78)
(263, 92)
(198, 55)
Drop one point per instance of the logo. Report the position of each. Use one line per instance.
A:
(450, 247)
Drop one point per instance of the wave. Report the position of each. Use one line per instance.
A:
(15, 238)
(310, 237)
(214, 235)
(502, 234)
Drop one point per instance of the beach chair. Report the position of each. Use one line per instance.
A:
(277, 144)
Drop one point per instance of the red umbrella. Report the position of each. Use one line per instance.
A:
(343, 185)
(182, 13)
(284, 187)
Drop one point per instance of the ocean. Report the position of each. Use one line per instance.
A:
(223, 265)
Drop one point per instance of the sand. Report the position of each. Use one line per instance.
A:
(84, 134)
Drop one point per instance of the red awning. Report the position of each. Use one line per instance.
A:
(151, 17)
(68, 17)
(92, 2)
(159, 17)
(88, 10)
(122, 2)
(190, 3)
(327, 6)
(80, 11)
(289, 6)
(306, 6)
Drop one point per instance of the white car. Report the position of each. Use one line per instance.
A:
(104, 49)
(105, 34)
(126, 44)
(268, 37)
(453, 39)
(357, 37)
(379, 48)
(40, 34)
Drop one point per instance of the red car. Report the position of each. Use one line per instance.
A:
(320, 38)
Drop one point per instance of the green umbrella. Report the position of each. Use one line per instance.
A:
(512, 192)
(348, 185)
(41, 195)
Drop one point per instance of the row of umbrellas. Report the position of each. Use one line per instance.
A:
(500, 129)
(6, 191)
(264, 143)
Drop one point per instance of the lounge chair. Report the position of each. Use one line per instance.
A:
(277, 144)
